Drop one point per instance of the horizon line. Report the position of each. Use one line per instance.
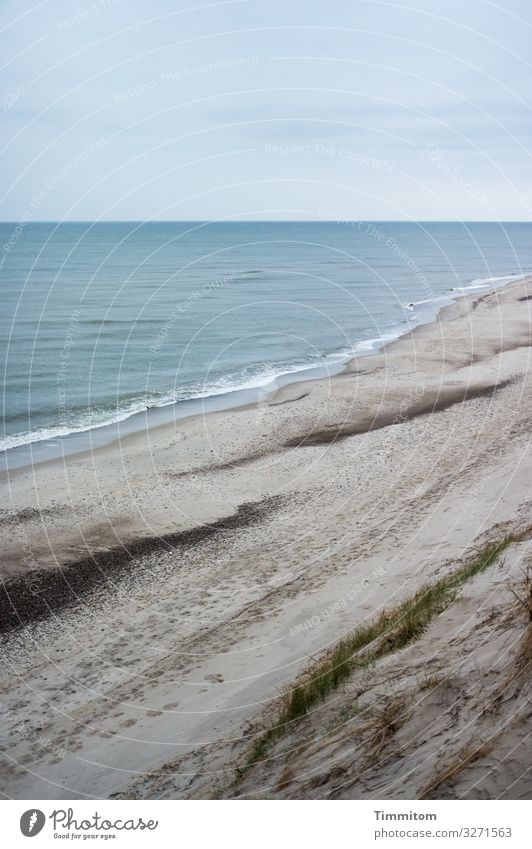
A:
(269, 221)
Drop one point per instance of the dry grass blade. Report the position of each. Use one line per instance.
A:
(465, 757)
(392, 630)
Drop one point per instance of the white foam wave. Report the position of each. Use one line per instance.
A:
(91, 420)
(488, 282)
(264, 377)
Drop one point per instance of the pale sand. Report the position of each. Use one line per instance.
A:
(356, 493)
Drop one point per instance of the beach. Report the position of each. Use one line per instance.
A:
(161, 593)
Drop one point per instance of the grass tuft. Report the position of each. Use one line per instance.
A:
(383, 724)
(392, 630)
(467, 756)
(524, 594)
(431, 681)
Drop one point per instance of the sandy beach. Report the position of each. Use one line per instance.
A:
(161, 594)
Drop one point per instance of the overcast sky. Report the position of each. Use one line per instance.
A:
(255, 109)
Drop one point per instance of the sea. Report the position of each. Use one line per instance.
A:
(106, 327)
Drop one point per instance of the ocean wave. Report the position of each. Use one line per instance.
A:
(487, 282)
(92, 419)
(89, 421)
(435, 300)
(257, 376)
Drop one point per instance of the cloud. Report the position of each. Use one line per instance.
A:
(169, 88)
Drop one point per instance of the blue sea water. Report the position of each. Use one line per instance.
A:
(103, 320)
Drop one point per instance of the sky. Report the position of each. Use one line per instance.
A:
(245, 109)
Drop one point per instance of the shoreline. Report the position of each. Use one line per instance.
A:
(188, 577)
(78, 442)
(143, 443)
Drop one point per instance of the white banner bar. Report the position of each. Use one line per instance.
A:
(263, 824)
